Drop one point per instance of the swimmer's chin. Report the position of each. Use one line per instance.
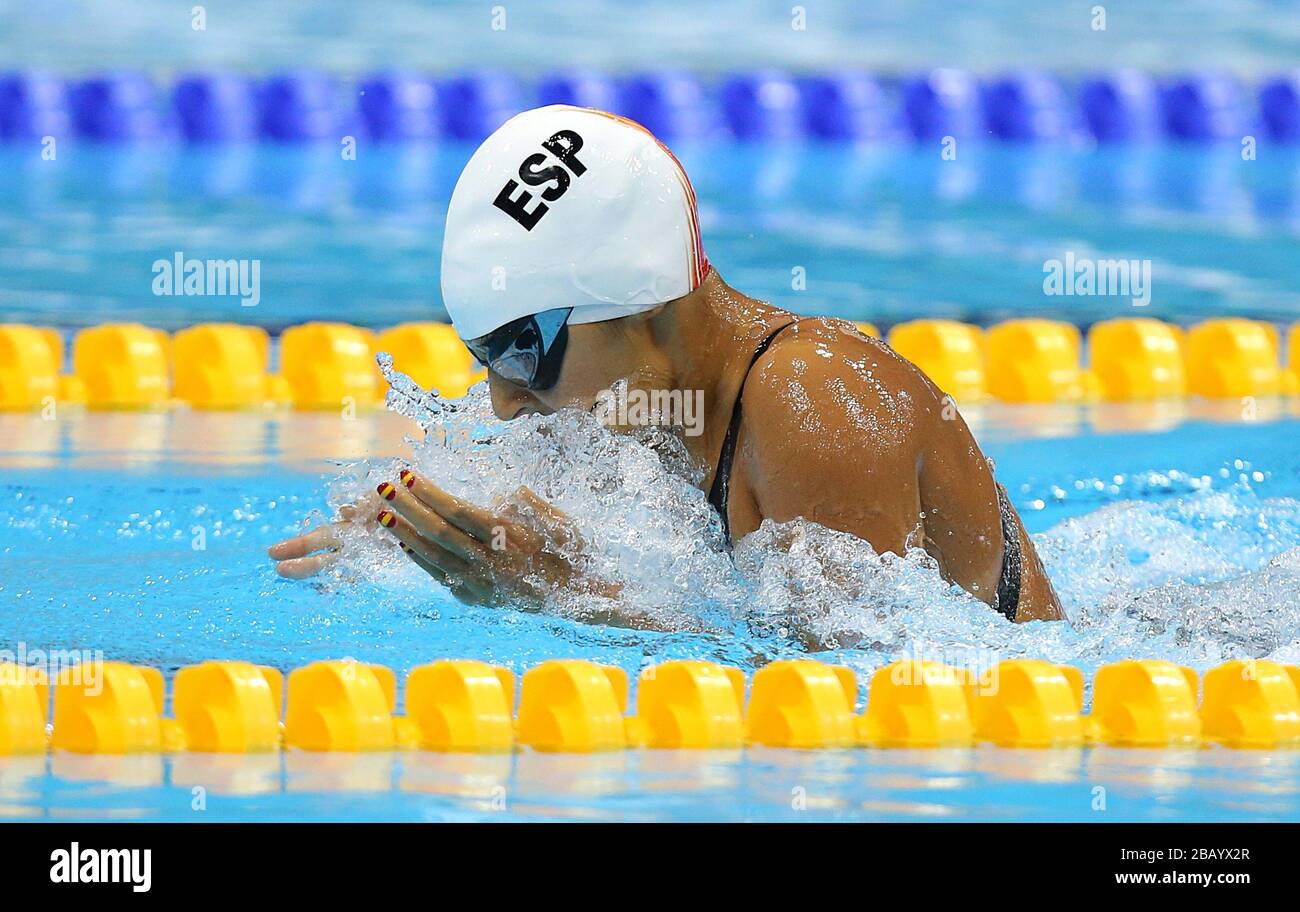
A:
(525, 411)
(592, 408)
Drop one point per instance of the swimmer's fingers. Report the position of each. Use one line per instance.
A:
(430, 525)
(462, 514)
(304, 567)
(317, 539)
(449, 563)
(459, 575)
(527, 506)
(465, 591)
(425, 564)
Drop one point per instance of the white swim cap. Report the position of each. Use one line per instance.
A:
(568, 207)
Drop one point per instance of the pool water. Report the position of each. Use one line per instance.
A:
(884, 234)
(1097, 785)
(143, 536)
(1169, 531)
(1246, 36)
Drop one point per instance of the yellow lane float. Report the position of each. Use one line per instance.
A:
(1252, 703)
(123, 366)
(341, 706)
(802, 703)
(577, 706)
(24, 703)
(221, 366)
(461, 706)
(1035, 361)
(950, 353)
(573, 706)
(1137, 359)
(229, 707)
(689, 704)
(329, 366)
(1233, 358)
(433, 356)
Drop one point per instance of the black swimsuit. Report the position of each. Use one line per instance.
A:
(1008, 598)
(719, 494)
(1008, 594)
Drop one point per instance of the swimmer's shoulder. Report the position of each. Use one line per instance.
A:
(832, 351)
(830, 433)
(821, 378)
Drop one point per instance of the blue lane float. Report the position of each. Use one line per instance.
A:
(118, 107)
(846, 107)
(1204, 107)
(1122, 106)
(301, 106)
(33, 105)
(399, 107)
(1279, 108)
(671, 105)
(943, 103)
(762, 106)
(584, 88)
(477, 103)
(216, 107)
(1026, 106)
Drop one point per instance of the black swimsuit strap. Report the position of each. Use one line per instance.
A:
(1008, 599)
(719, 494)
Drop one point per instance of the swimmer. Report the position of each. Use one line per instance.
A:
(572, 261)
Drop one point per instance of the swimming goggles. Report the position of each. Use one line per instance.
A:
(528, 351)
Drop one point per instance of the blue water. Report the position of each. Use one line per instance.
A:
(1246, 36)
(761, 784)
(1169, 532)
(883, 234)
(143, 537)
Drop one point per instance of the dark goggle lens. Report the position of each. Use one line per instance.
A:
(527, 351)
(518, 367)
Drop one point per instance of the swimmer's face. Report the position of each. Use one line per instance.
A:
(598, 356)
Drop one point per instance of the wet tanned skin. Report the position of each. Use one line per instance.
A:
(836, 428)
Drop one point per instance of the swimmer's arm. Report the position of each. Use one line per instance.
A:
(519, 553)
(425, 543)
(959, 496)
(885, 491)
(1038, 598)
(819, 441)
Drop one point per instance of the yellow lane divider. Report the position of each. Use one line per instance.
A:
(1036, 361)
(1145, 704)
(1138, 359)
(123, 366)
(225, 366)
(576, 706)
(1228, 359)
(331, 365)
(950, 353)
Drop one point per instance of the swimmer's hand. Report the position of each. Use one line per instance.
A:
(517, 553)
(308, 554)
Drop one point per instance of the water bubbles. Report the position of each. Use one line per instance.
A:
(408, 398)
(1170, 567)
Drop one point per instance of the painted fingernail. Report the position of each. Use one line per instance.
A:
(386, 519)
(407, 477)
(387, 491)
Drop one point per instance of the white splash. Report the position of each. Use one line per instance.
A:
(1197, 579)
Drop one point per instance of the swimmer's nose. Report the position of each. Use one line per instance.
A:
(509, 400)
